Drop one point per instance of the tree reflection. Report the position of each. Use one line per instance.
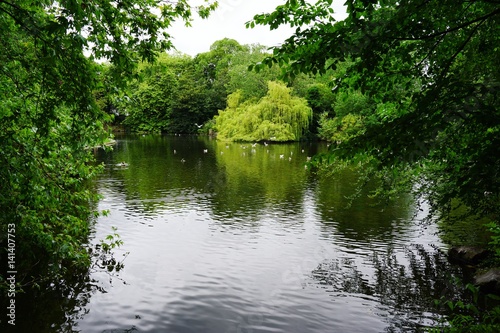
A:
(259, 177)
(356, 215)
(58, 307)
(405, 284)
(236, 180)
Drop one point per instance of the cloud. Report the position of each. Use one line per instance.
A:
(228, 21)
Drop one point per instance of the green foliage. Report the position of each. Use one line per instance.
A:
(104, 252)
(494, 228)
(278, 116)
(150, 107)
(49, 118)
(212, 71)
(199, 88)
(352, 102)
(353, 111)
(468, 315)
(341, 129)
(107, 92)
(195, 90)
(320, 99)
(428, 71)
(250, 83)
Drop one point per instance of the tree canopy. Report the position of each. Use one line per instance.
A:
(278, 116)
(179, 93)
(430, 70)
(49, 118)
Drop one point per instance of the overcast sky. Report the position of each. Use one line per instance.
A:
(229, 21)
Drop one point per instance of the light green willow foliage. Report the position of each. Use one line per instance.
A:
(278, 116)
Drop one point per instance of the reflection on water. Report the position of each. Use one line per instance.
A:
(241, 238)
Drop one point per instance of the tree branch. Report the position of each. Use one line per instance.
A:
(460, 49)
(461, 26)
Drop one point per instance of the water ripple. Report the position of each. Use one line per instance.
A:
(222, 244)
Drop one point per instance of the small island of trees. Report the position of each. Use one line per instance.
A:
(216, 92)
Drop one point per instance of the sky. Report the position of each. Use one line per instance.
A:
(228, 20)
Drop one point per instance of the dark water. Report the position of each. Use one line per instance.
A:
(238, 239)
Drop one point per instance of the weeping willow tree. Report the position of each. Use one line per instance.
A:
(278, 116)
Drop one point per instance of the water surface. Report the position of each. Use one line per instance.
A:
(238, 238)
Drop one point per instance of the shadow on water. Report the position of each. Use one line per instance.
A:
(53, 309)
(230, 237)
(404, 294)
(58, 307)
(358, 216)
(405, 291)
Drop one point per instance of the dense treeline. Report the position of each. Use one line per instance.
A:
(182, 94)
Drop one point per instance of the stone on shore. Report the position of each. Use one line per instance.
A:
(489, 281)
(467, 255)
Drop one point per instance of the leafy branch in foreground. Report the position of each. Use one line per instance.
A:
(49, 117)
(430, 68)
(468, 315)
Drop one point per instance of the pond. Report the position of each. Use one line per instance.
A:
(230, 237)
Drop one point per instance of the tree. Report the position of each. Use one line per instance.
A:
(151, 105)
(278, 116)
(431, 70)
(50, 119)
(213, 67)
(321, 100)
(251, 83)
(193, 103)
